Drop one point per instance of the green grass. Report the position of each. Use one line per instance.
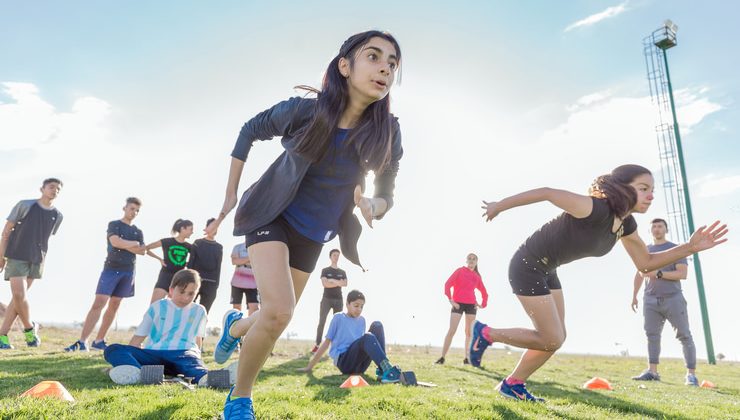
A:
(283, 393)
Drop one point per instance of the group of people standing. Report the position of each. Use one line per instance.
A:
(25, 244)
(307, 197)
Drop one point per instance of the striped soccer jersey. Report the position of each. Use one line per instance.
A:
(168, 327)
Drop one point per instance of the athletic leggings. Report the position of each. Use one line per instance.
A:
(369, 347)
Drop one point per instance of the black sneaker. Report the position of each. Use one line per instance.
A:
(440, 361)
(466, 361)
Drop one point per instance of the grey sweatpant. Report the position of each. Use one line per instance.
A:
(326, 306)
(672, 308)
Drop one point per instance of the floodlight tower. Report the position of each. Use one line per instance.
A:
(675, 183)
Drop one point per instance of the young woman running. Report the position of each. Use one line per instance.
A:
(175, 252)
(589, 227)
(460, 291)
(306, 197)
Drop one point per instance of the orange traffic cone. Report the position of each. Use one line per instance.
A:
(598, 383)
(354, 381)
(707, 384)
(51, 389)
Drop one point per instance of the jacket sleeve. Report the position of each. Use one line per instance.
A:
(385, 182)
(450, 283)
(281, 119)
(483, 293)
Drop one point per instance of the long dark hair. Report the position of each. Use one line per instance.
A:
(616, 189)
(372, 135)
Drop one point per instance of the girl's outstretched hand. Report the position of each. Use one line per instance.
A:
(708, 237)
(366, 206)
(229, 204)
(491, 210)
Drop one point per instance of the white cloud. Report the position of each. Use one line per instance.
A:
(30, 122)
(693, 107)
(609, 12)
(714, 187)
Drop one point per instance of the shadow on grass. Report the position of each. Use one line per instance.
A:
(162, 412)
(490, 374)
(598, 399)
(329, 385)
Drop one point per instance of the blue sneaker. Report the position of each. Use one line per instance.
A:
(32, 336)
(647, 375)
(226, 343)
(5, 343)
(98, 345)
(478, 343)
(691, 380)
(517, 392)
(391, 376)
(238, 409)
(76, 346)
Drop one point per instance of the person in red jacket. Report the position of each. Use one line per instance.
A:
(460, 290)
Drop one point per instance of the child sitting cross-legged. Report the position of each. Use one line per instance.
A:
(174, 328)
(351, 347)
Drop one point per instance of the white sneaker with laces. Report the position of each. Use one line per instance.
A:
(125, 375)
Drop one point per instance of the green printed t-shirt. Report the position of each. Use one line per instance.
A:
(175, 254)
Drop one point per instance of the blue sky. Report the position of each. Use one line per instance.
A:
(146, 99)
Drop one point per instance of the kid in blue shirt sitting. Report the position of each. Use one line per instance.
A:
(352, 349)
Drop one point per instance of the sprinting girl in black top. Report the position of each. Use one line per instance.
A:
(589, 227)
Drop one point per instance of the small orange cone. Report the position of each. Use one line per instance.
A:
(51, 389)
(707, 384)
(598, 383)
(354, 381)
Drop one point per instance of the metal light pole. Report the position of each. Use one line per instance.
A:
(664, 39)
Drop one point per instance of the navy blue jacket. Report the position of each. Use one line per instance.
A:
(266, 199)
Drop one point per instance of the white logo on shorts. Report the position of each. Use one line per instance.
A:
(264, 232)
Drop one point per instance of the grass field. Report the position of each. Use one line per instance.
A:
(463, 392)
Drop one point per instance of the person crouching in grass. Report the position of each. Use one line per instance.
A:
(174, 328)
(351, 347)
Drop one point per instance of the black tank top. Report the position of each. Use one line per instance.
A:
(566, 238)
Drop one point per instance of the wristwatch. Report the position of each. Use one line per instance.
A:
(659, 274)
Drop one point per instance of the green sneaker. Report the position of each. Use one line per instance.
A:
(5, 343)
(32, 336)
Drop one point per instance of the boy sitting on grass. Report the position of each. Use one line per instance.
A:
(174, 328)
(351, 347)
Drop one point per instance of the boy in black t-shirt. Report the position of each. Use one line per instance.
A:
(333, 278)
(116, 281)
(25, 240)
(205, 258)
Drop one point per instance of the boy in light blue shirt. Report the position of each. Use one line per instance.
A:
(174, 328)
(352, 349)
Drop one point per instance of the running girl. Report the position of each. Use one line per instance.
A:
(589, 227)
(306, 197)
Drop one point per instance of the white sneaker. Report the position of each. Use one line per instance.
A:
(125, 375)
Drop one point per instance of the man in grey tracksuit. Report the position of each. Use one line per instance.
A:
(663, 300)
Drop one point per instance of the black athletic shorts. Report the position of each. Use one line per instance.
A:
(302, 252)
(530, 276)
(164, 280)
(467, 308)
(237, 292)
